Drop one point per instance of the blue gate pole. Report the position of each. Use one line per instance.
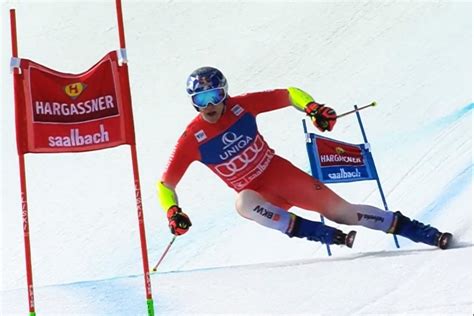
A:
(309, 145)
(375, 169)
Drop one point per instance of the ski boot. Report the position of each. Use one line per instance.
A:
(317, 231)
(419, 232)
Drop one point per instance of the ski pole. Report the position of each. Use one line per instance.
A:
(164, 253)
(361, 108)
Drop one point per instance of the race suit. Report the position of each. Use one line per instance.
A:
(232, 147)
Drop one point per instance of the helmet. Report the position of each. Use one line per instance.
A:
(206, 85)
(205, 78)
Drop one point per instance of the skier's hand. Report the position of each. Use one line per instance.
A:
(323, 117)
(179, 222)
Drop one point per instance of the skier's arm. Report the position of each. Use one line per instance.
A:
(166, 195)
(299, 98)
(323, 117)
(183, 155)
(178, 221)
(263, 101)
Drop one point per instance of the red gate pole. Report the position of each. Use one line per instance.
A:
(133, 149)
(24, 199)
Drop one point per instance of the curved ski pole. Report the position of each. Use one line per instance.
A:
(164, 253)
(358, 109)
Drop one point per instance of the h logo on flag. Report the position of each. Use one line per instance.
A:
(73, 90)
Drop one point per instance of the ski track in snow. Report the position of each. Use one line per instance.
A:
(462, 181)
(422, 131)
(282, 264)
(102, 293)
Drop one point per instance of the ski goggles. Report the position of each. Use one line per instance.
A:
(213, 96)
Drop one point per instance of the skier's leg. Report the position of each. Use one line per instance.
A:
(364, 215)
(299, 189)
(253, 206)
(285, 182)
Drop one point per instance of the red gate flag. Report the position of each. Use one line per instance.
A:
(60, 112)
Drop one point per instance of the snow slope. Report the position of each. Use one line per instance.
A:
(414, 58)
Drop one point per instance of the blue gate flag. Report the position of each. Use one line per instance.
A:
(333, 161)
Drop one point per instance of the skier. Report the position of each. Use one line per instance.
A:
(224, 136)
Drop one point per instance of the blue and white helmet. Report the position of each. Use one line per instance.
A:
(205, 78)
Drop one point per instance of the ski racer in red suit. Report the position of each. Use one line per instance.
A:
(224, 136)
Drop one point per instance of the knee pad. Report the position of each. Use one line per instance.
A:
(253, 206)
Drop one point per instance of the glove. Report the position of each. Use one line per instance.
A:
(323, 117)
(179, 222)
